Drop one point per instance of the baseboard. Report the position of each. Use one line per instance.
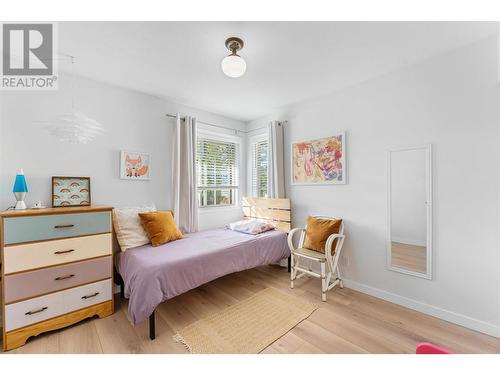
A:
(452, 317)
(408, 241)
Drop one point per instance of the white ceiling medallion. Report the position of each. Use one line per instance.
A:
(233, 65)
(74, 127)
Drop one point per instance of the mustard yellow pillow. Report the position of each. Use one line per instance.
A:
(160, 227)
(317, 232)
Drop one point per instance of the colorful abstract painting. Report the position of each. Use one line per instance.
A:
(70, 191)
(135, 165)
(320, 161)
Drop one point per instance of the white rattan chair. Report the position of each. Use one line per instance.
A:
(329, 264)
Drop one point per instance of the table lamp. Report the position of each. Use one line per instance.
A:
(20, 189)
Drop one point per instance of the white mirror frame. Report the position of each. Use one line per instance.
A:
(429, 255)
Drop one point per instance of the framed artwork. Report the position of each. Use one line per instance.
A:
(70, 191)
(319, 161)
(135, 165)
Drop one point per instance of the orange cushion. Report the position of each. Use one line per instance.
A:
(317, 232)
(160, 227)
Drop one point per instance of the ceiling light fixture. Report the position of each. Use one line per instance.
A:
(233, 65)
(74, 127)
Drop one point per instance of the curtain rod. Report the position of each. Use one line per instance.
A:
(220, 126)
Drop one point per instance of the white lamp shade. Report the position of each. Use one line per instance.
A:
(233, 66)
(75, 128)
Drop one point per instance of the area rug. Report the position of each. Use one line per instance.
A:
(247, 327)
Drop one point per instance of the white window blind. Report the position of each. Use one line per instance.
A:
(217, 164)
(259, 168)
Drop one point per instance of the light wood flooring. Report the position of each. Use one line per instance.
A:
(409, 257)
(350, 322)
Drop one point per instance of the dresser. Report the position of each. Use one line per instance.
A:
(57, 269)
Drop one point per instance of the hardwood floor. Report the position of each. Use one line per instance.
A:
(349, 322)
(409, 257)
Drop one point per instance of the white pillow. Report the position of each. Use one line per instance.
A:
(128, 227)
(251, 226)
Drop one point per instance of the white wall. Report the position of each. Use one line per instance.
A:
(450, 101)
(134, 121)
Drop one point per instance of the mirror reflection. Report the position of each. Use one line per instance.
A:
(409, 205)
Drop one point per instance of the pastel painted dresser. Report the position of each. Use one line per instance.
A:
(57, 269)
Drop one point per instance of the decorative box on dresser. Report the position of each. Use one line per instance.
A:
(57, 269)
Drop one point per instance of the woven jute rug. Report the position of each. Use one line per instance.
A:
(248, 326)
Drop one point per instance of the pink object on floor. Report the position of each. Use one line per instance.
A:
(428, 348)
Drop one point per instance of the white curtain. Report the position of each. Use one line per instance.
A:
(276, 167)
(184, 174)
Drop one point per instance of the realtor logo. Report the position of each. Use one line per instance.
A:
(29, 58)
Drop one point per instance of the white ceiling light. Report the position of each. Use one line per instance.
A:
(233, 65)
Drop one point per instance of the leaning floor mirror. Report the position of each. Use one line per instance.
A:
(409, 200)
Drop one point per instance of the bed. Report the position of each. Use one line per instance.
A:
(150, 276)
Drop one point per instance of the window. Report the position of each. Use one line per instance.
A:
(217, 164)
(259, 168)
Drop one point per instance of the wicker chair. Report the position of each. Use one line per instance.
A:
(329, 264)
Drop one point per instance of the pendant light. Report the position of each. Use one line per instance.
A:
(74, 127)
(233, 65)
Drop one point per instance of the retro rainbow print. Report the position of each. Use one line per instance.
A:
(71, 192)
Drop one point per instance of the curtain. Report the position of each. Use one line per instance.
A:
(185, 205)
(276, 168)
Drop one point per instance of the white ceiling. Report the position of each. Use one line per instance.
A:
(286, 61)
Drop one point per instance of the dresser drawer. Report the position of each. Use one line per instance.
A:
(47, 280)
(35, 310)
(47, 227)
(48, 253)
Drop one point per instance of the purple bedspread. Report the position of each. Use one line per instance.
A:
(155, 274)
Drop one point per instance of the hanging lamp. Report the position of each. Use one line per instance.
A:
(233, 65)
(74, 127)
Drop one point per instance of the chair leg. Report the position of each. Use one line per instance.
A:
(293, 272)
(323, 281)
(341, 284)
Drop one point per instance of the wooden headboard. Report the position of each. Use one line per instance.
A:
(276, 211)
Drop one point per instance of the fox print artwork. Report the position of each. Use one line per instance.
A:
(134, 166)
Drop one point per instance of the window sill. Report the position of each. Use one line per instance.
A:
(208, 210)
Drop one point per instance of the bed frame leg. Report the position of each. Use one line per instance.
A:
(119, 281)
(152, 330)
(289, 263)
(122, 289)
